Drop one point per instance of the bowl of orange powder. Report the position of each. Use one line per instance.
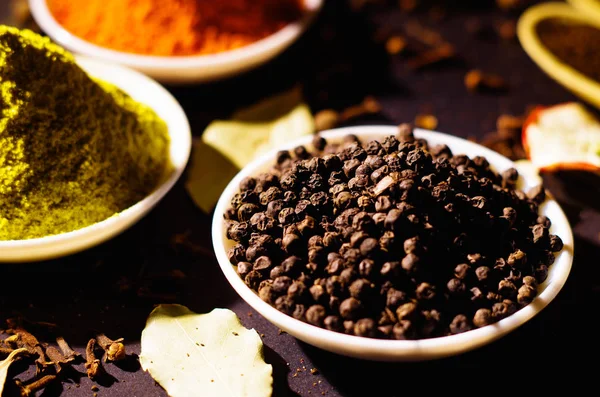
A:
(177, 41)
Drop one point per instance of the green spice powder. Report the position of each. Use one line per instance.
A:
(73, 151)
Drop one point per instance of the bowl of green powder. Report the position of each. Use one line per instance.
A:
(86, 148)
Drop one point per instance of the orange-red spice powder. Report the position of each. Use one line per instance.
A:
(174, 27)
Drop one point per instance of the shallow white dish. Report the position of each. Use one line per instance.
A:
(181, 69)
(392, 350)
(147, 91)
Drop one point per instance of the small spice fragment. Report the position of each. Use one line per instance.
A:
(476, 80)
(395, 45)
(426, 121)
(433, 56)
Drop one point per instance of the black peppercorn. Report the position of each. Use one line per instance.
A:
(236, 254)
(263, 264)
(253, 279)
(361, 289)
(507, 289)
(291, 243)
(540, 234)
(406, 311)
(292, 265)
(404, 330)
(526, 294)
(410, 263)
(461, 271)
(517, 259)
(333, 323)
(391, 269)
(541, 273)
(460, 323)
(369, 246)
(395, 298)
(243, 268)
(297, 291)
(365, 327)
(425, 291)
(366, 268)
(482, 318)
(556, 243)
(350, 309)
(456, 287)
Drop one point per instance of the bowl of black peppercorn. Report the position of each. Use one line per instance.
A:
(391, 244)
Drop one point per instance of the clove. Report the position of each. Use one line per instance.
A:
(27, 390)
(433, 56)
(114, 349)
(66, 349)
(368, 106)
(92, 364)
(476, 80)
(58, 358)
(20, 338)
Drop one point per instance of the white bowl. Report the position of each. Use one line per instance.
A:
(147, 91)
(182, 69)
(394, 350)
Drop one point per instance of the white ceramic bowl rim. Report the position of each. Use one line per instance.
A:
(179, 154)
(392, 349)
(48, 23)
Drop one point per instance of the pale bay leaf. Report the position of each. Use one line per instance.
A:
(204, 355)
(260, 128)
(5, 365)
(208, 175)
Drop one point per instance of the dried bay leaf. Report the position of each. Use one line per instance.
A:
(261, 127)
(227, 146)
(208, 175)
(5, 365)
(206, 355)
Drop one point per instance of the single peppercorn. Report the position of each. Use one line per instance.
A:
(482, 318)
(350, 309)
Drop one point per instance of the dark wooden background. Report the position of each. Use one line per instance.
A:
(113, 287)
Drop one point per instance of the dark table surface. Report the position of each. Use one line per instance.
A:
(113, 287)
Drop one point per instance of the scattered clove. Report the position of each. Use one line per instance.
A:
(368, 106)
(476, 80)
(21, 338)
(27, 390)
(66, 350)
(114, 349)
(57, 358)
(92, 364)
(433, 56)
